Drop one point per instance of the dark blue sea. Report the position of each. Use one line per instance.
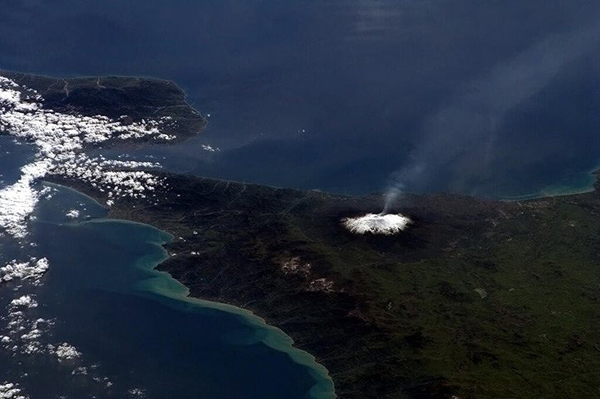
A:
(495, 99)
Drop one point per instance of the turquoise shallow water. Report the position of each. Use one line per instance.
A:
(169, 289)
(136, 330)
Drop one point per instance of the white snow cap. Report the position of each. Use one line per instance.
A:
(375, 223)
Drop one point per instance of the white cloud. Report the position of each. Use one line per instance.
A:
(137, 392)
(30, 270)
(61, 139)
(18, 201)
(24, 301)
(73, 213)
(66, 351)
(11, 391)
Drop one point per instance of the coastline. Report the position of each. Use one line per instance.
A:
(591, 179)
(163, 284)
(83, 77)
(471, 218)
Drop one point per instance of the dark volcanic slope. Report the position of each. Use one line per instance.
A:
(137, 98)
(478, 299)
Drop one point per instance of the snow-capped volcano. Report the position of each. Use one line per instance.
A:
(376, 223)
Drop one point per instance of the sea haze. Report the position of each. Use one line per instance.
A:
(339, 95)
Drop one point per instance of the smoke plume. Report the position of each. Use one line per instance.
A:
(467, 125)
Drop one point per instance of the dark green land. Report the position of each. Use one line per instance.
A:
(115, 96)
(479, 299)
(403, 318)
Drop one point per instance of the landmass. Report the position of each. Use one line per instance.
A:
(475, 299)
(127, 99)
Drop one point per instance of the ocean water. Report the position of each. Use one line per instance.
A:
(495, 99)
(134, 329)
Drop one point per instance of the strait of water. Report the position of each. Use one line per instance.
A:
(496, 99)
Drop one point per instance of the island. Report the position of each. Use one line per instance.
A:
(476, 298)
